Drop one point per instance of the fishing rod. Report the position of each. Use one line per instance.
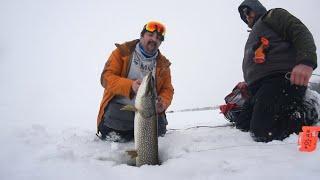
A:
(196, 109)
(287, 76)
(315, 74)
(197, 127)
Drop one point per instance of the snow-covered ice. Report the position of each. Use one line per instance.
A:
(36, 152)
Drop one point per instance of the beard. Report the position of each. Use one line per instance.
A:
(151, 47)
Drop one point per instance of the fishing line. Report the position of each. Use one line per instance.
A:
(244, 145)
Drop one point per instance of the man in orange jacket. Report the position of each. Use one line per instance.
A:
(121, 78)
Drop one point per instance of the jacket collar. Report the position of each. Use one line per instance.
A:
(127, 48)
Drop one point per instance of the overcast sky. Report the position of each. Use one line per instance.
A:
(52, 52)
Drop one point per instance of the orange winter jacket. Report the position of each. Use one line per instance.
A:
(115, 72)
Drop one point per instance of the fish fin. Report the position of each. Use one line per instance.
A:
(132, 153)
(129, 108)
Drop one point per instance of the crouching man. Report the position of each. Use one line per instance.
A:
(121, 78)
(280, 56)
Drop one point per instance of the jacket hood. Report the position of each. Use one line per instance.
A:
(254, 5)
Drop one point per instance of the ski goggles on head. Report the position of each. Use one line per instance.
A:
(155, 26)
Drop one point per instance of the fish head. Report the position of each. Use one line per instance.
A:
(146, 95)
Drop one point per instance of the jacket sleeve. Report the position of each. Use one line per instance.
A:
(292, 29)
(166, 91)
(111, 76)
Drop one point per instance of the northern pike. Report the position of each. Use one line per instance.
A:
(145, 123)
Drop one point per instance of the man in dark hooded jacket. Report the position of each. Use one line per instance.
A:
(279, 58)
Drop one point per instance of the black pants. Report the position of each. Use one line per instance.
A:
(275, 109)
(125, 136)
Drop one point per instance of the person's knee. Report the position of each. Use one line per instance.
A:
(102, 131)
(261, 135)
(162, 129)
(162, 125)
